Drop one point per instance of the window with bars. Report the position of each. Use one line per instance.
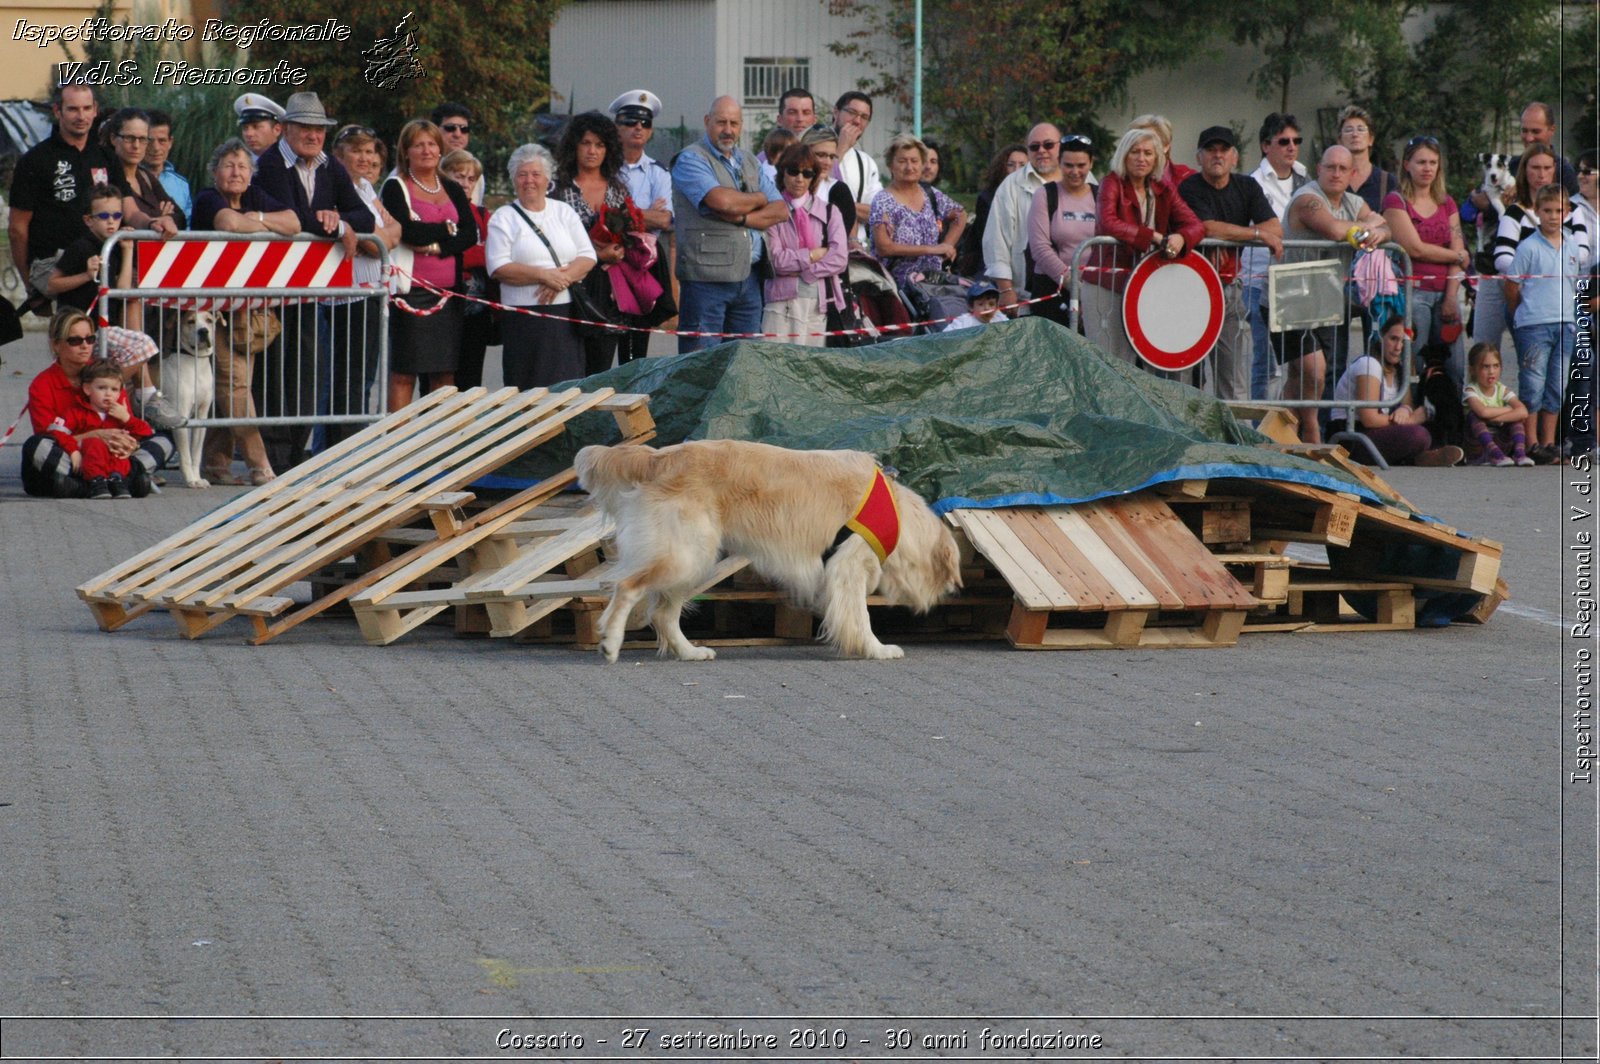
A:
(767, 77)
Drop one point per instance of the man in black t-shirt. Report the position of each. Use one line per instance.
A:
(1233, 207)
(50, 190)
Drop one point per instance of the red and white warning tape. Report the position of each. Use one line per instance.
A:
(399, 301)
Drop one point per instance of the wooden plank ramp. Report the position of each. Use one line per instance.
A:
(1122, 572)
(242, 559)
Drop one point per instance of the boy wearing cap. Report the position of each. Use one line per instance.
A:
(983, 303)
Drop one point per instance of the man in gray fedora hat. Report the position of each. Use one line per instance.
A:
(296, 171)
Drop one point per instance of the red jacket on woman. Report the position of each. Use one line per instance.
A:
(1119, 216)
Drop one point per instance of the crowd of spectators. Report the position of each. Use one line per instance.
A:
(772, 241)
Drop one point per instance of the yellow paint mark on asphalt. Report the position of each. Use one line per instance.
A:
(503, 974)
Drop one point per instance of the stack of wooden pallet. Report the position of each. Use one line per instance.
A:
(380, 526)
(333, 521)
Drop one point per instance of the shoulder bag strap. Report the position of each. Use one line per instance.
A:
(539, 233)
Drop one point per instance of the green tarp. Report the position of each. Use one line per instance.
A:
(1015, 413)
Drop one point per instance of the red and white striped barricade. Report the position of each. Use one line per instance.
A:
(295, 339)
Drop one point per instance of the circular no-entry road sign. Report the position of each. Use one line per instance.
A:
(1172, 310)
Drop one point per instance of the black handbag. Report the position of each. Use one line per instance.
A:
(847, 314)
(588, 319)
(847, 317)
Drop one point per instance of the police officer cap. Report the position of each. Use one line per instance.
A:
(252, 107)
(636, 103)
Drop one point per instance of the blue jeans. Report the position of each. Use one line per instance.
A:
(1543, 354)
(1261, 362)
(718, 307)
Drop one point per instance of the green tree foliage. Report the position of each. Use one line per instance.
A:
(993, 69)
(1580, 78)
(202, 115)
(495, 57)
(1467, 77)
(1294, 38)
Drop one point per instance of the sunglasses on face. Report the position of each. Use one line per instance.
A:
(78, 341)
(1585, 171)
(795, 171)
(131, 139)
(645, 122)
(107, 216)
(1284, 142)
(1043, 145)
(457, 127)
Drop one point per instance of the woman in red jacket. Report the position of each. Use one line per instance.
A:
(49, 468)
(1147, 216)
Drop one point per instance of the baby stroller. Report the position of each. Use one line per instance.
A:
(936, 298)
(869, 286)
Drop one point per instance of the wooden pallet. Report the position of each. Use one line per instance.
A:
(241, 559)
(736, 607)
(1114, 573)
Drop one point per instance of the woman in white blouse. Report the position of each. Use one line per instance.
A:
(537, 249)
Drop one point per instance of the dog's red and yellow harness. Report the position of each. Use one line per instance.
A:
(876, 519)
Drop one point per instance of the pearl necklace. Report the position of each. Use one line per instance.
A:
(435, 190)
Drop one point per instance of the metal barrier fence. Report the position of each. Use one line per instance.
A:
(298, 333)
(1238, 357)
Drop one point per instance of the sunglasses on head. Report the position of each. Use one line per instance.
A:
(1284, 142)
(645, 122)
(1043, 145)
(107, 216)
(1422, 140)
(457, 127)
(796, 171)
(1076, 142)
(354, 131)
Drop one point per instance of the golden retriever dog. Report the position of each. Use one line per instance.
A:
(677, 509)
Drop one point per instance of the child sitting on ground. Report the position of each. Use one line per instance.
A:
(1496, 418)
(103, 404)
(983, 303)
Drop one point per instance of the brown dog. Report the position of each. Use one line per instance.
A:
(679, 508)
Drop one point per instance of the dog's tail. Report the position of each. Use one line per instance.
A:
(605, 471)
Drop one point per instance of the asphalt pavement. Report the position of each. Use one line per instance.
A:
(1302, 847)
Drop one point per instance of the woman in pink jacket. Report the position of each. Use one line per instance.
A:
(808, 253)
(1147, 216)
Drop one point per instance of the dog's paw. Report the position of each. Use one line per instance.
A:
(197, 482)
(885, 652)
(694, 653)
(608, 650)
